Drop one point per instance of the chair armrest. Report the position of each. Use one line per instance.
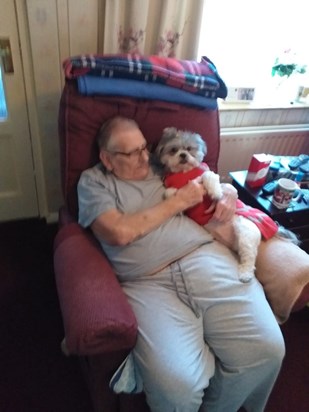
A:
(283, 270)
(96, 314)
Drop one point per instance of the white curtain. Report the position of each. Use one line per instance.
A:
(169, 28)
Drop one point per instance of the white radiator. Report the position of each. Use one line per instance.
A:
(238, 146)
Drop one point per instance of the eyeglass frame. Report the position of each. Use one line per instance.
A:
(129, 155)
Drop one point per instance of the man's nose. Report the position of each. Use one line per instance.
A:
(145, 154)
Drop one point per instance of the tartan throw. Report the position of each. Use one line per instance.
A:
(194, 77)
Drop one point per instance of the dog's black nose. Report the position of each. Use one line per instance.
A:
(183, 158)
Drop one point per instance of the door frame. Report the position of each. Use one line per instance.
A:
(25, 51)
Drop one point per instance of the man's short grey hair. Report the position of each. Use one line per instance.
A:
(112, 124)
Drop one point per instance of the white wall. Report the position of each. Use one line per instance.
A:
(57, 29)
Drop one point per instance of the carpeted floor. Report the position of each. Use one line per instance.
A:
(36, 377)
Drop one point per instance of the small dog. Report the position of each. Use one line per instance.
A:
(182, 153)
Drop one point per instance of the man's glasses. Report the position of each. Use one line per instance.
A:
(134, 154)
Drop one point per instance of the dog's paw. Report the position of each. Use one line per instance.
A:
(211, 182)
(245, 277)
(169, 192)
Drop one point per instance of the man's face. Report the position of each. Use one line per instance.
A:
(127, 156)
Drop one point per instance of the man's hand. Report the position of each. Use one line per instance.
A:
(224, 209)
(191, 194)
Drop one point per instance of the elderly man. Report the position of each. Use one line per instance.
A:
(206, 341)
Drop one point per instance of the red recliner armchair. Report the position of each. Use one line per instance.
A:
(99, 324)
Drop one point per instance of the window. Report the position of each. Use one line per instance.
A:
(244, 37)
(3, 109)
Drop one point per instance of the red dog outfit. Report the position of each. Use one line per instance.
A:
(266, 225)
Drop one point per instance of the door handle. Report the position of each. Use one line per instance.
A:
(6, 55)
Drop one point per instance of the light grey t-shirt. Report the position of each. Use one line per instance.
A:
(100, 191)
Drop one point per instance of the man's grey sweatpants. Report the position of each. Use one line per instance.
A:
(206, 342)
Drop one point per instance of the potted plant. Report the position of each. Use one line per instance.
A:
(284, 68)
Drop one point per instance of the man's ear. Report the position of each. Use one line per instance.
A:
(105, 159)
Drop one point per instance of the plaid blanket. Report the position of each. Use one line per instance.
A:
(199, 78)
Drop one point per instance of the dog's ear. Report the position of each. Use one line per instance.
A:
(204, 146)
(169, 132)
(158, 150)
(160, 146)
(202, 143)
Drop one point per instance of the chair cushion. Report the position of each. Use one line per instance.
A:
(283, 270)
(80, 118)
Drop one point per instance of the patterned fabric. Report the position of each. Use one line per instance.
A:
(199, 78)
(267, 226)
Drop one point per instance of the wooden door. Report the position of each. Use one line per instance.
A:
(18, 197)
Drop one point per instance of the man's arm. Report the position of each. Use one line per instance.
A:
(118, 228)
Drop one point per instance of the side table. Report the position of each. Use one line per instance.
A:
(295, 217)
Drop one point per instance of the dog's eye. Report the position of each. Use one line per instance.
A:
(173, 150)
(189, 148)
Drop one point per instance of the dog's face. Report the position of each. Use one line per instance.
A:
(180, 151)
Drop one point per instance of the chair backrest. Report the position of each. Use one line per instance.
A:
(80, 118)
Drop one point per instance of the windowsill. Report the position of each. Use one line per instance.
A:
(226, 105)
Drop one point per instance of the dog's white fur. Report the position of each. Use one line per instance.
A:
(181, 151)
